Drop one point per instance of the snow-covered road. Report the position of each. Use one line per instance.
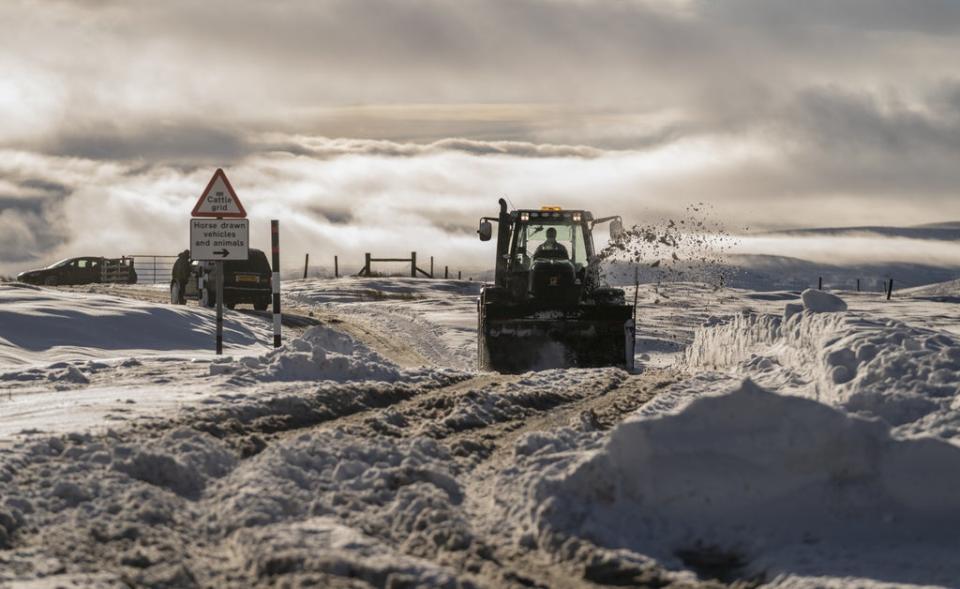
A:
(368, 452)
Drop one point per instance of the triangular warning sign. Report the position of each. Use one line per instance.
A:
(219, 199)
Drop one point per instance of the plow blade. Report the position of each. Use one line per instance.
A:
(515, 340)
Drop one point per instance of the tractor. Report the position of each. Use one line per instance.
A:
(548, 307)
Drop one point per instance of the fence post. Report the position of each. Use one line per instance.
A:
(459, 275)
(820, 283)
(413, 264)
(858, 285)
(431, 266)
(446, 271)
(275, 243)
(366, 265)
(155, 270)
(890, 289)
(336, 267)
(306, 264)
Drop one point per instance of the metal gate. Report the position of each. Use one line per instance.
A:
(153, 269)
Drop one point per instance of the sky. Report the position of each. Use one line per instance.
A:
(391, 126)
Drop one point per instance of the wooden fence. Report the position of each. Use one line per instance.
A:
(412, 260)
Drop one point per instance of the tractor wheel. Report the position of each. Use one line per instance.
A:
(261, 305)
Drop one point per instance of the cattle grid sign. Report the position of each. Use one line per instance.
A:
(221, 233)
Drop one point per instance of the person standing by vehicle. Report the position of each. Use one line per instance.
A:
(181, 274)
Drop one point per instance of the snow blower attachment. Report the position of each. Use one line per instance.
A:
(547, 307)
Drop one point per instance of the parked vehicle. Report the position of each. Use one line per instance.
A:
(245, 282)
(83, 270)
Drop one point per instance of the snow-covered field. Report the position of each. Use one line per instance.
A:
(767, 439)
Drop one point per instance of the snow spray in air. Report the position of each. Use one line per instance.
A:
(689, 248)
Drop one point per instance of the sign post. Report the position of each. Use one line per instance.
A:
(275, 246)
(221, 232)
(219, 307)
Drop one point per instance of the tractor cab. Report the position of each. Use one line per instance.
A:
(550, 250)
(546, 254)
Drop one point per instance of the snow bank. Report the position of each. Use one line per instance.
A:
(183, 510)
(320, 353)
(907, 375)
(817, 301)
(42, 326)
(787, 484)
(334, 503)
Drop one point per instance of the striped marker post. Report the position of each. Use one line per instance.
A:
(275, 243)
(219, 295)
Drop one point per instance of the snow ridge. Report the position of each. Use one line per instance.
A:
(907, 375)
(785, 483)
(320, 354)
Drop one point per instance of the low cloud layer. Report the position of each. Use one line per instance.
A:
(344, 198)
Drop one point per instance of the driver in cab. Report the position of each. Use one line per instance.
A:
(550, 249)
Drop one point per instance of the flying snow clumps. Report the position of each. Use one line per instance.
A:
(320, 353)
(785, 483)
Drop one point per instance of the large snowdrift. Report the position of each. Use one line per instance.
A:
(788, 485)
(325, 354)
(907, 375)
(42, 326)
(845, 486)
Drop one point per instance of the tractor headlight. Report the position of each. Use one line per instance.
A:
(575, 217)
(524, 216)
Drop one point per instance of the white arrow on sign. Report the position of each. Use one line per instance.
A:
(219, 239)
(219, 199)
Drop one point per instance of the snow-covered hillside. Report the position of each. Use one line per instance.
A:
(767, 438)
(41, 325)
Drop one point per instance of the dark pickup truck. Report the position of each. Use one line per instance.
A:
(84, 270)
(245, 281)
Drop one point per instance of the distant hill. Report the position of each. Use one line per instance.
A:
(946, 225)
(949, 231)
(764, 272)
(761, 272)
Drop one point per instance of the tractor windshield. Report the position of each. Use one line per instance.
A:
(530, 236)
